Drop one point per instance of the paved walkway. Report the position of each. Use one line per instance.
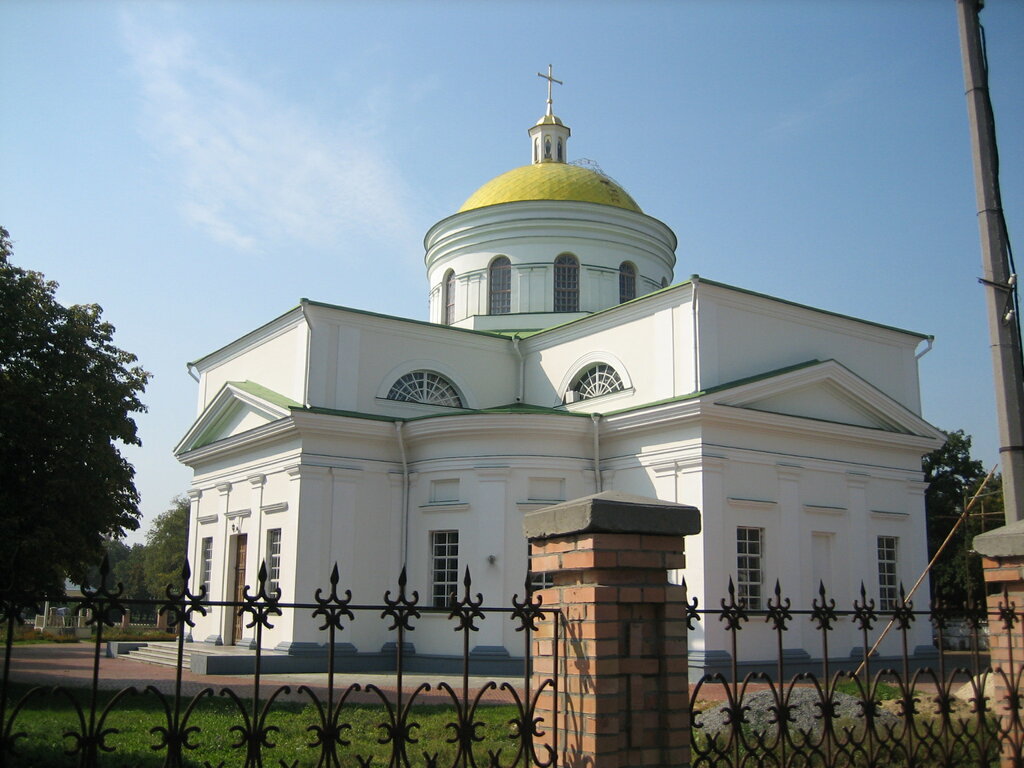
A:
(71, 664)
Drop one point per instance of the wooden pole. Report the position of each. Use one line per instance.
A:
(928, 568)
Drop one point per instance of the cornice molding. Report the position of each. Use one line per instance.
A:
(752, 504)
(444, 506)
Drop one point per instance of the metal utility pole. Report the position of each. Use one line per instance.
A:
(997, 277)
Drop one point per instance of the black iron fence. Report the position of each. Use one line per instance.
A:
(834, 710)
(459, 721)
(854, 709)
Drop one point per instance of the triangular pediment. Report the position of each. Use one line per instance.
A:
(240, 406)
(828, 392)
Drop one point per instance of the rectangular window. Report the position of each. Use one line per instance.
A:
(273, 560)
(567, 284)
(442, 491)
(444, 566)
(750, 566)
(206, 563)
(500, 286)
(887, 582)
(547, 489)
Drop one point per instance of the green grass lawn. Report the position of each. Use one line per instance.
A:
(46, 718)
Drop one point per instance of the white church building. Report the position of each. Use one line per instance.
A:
(559, 359)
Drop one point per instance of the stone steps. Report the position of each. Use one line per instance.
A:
(166, 653)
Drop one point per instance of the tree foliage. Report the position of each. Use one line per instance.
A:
(67, 395)
(165, 547)
(953, 478)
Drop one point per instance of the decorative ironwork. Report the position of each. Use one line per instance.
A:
(857, 708)
(862, 711)
(179, 736)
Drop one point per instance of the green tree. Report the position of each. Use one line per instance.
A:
(165, 547)
(67, 395)
(128, 568)
(953, 478)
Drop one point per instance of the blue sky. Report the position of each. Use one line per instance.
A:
(197, 168)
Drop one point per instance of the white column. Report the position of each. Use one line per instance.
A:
(193, 548)
(859, 568)
(339, 534)
(223, 614)
(484, 540)
(793, 540)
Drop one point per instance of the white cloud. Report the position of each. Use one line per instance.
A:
(256, 169)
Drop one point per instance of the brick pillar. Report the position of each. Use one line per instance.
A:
(623, 688)
(1003, 563)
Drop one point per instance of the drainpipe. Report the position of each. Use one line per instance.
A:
(926, 350)
(694, 280)
(309, 343)
(521, 383)
(405, 494)
(596, 418)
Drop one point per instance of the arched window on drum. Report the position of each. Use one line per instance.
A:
(567, 284)
(499, 286)
(449, 297)
(627, 282)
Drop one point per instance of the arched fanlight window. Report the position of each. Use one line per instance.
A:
(627, 282)
(597, 380)
(449, 297)
(499, 286)
(425, 387)
(567, 283)
(560, 158)
(536, 150)
(547, 148)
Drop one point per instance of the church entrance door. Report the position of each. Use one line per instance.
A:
(237, 622)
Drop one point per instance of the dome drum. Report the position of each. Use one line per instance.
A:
(532, 235)
(544, 243)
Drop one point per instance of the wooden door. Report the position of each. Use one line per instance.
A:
(238, 622)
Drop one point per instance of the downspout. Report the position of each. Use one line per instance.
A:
(596, 418)
(405, 494)
(521, 380)
(926, 350)
(191, 368)
(309, 344)
(694, 280)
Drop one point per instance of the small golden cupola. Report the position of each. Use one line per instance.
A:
(549, 137)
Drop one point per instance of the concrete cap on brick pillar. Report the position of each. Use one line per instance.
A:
(612, 512)
(1007, 541)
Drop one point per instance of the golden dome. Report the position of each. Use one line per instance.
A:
(551, 181)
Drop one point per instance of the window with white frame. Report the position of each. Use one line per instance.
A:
(499, 286)
(273, 560)
(425, 387)
(444, 491)
(449, 297)
(627, 282)
(597, 380)
(206, 563)
(888, 585)
(444, 567)
(567, 284)
(750, 566)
